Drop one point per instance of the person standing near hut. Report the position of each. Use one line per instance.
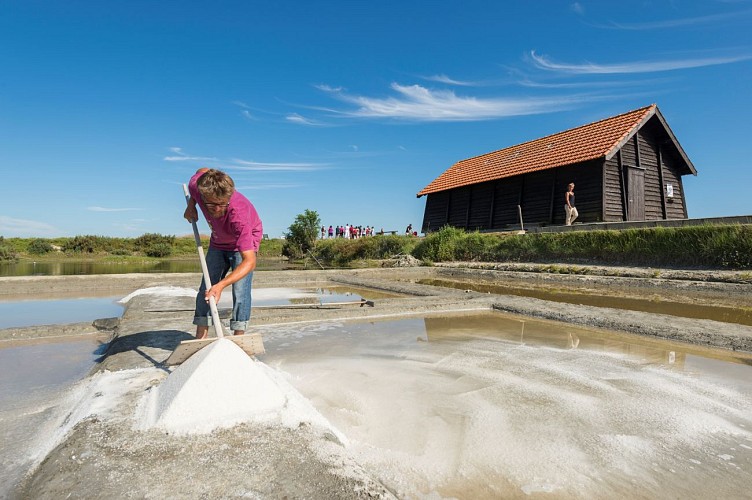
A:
(569, 207)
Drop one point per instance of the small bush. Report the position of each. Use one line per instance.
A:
(6, 253)
(158, 250)
(341, 251)
(80, 244)
(439, 246)
(39, 246)
(149, 241)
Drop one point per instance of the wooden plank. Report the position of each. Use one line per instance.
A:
(252, 344)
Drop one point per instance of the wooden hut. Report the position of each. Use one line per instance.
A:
(626, 168)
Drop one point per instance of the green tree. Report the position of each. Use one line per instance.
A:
(301, 235)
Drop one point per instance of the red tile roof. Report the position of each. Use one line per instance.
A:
(588, 142)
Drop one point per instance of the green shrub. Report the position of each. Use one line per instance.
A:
(147, 242)
(39, 246)
(158, 250)
(341, 251)
(439, 246)
(81, 244)
(6, 253)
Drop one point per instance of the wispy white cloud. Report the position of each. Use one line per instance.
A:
(588, 68)
(184, 157)
(329, 88)
(247, 115)
(417, 103)
(273, 167)
(527, 82)
(677, 23)
(577, 8)
(132, 226)
(104, 209)
(449, 81)
(21, 228)
(301, 120)
(260, 187)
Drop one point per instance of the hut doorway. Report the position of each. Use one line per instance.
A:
(636, 193)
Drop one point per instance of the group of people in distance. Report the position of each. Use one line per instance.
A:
(348, 232)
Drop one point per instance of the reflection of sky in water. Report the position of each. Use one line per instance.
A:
(15, 314)
(313, 296)
(48, 312)
(487, 405)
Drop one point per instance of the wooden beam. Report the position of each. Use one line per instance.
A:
(448, 208)
(660, 180)
(624, 208)
(553, 192)
(493, 206)
(469, 206)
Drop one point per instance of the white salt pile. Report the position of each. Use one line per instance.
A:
(219, 386)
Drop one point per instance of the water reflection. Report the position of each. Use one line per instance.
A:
(15, 314)
(67, 268)
(495, 326)
(488, 406)
(652, 305)
(74, 267)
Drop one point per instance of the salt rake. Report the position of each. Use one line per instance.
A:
(251, 344)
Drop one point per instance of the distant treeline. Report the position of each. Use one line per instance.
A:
(146, 245)
(707, 247)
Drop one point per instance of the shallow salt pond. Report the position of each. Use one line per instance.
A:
(62, 310)
(488, 405)
(475, 405)
(652, 303)
(20, 313)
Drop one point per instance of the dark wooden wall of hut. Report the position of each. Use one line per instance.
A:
(493, 205)
(654, 153)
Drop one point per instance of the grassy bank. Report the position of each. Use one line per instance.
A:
(709, 247)
(147, 246)
(706, 247)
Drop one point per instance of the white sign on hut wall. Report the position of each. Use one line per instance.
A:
(670, 190)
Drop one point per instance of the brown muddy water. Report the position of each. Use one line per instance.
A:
(654, 304)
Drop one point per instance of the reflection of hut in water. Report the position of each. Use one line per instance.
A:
(495, 326)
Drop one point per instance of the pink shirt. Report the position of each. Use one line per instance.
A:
(239, 229)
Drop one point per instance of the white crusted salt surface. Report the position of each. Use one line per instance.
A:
(169, 291)
(221, 386)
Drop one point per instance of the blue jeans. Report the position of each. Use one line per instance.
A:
(218, 262)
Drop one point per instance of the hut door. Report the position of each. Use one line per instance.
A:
(636, 193)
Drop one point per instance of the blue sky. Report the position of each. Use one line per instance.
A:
(348, 108)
